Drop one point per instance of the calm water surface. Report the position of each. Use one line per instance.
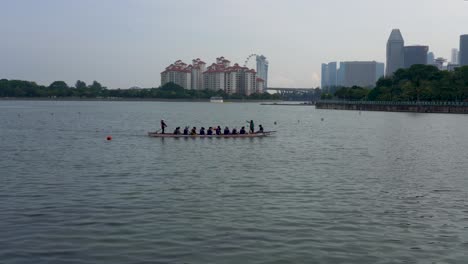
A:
(369, 187)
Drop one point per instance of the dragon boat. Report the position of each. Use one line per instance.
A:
(170, 135)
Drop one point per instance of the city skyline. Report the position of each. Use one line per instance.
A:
(127, 43)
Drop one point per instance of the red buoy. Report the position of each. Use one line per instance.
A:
(109, 138)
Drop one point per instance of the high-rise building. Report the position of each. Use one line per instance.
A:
(178, 73)
(260, 86)
(329, 77)
(324, 76)
(463, 55)
(262, 69)
(380, 70)
(360, 73)
(340, 75)
(232, 79)
(197, 68)
(454, 58)
(430, 58)
(332, 74)
(395, 52)
(415, 55)
(215, 78)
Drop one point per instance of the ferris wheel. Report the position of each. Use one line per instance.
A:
(248, 59)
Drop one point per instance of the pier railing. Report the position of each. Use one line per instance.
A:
(409, 103)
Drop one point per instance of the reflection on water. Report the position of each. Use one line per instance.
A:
(330, 187)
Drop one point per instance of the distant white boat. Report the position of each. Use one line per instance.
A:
(216, 99)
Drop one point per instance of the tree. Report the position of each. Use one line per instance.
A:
(96, 86)
(58, 85)
(80, 85)
(170, 86)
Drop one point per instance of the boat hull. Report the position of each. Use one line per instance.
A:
(265, 134)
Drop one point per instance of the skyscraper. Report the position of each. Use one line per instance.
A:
(341, 73)
(463, 55)
(329, 77)
(415, 55)
(380, 71)
(395, 52)
(324, 76)
(332, 74)
(430, 58)
(262, 70)
(361, 73)
(454, 59)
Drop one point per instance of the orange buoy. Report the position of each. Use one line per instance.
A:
(109, 138)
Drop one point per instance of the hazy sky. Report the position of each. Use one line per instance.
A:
(123, 43)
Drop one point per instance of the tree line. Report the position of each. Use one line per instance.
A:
(60, 89)
(417, 83)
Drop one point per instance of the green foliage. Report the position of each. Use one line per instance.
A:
(16, 88)
(80, 85)
(422, 82)
(353, 93)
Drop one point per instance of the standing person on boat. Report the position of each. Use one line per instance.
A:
(186, 130)
(193, 131)
(202, 131)
(177, 131)
(218, 130)
(260, 129)
(163, 126)
(226, 131)
(242, 131)
(210, 131)
(251, 126)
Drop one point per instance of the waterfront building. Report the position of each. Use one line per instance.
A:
(240, 80)
(463, 55)
(332, 74)
(380, 70)
(329, 76)
(197, 69)
(454, 58)
(215, 76)
(218, 76)
(395, 52)
(262, 69)
(430, 58)
(360, 73)
(324, 76)
(452, 67)
(415, 55)
(439, 63)
(260, 86)
(248, 81)
(178, 73)
(340, 74)
(231, 79)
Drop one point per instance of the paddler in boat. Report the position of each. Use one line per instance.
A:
(163, 126)
(177, 131)
(218, 130)
(226, 131)
(242, 131)
(186, 130)
(260, 129)
(234, 131)
(210, 131)
(193, 131)
(202, 131)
